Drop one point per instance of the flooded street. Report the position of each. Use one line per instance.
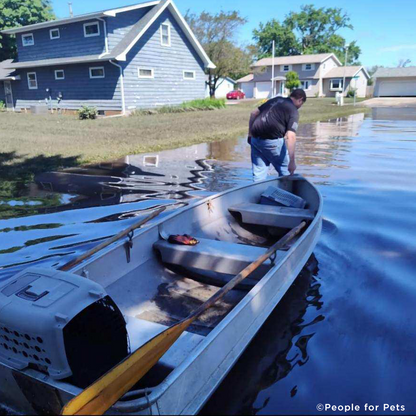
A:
(345, 332)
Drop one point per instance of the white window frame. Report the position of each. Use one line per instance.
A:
(169, 34)
(91, 34)
(145, 76)
(309, 84)
(96, 67)
(28, 80)
(54, 30)
(58, 78)
(282, 68)
(24, 36)
(190, 72)
(310, 69)
(340, 88)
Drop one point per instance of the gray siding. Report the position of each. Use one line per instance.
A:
(77, 88)
(267, 74)
(168, 86)
(71, 43)
(2, 97)
(119, 26)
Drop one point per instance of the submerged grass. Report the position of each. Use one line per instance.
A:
(104, 139)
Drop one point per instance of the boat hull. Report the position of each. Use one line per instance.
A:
(189, 386)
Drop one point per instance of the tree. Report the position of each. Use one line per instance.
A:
(403, 63)
(20, 13)
(286, 42)
(292, 80)
(216, 33)
(371, 71)
(310, 31)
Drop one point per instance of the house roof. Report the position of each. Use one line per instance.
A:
(120, 51)
(347, 71)
(395, 72)
(56, 61)
(6, 74)
(78, 18)
(247, 78)
(296, 59)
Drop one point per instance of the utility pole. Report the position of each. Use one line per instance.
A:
(273, 82)
(71, 14)
(345, 70)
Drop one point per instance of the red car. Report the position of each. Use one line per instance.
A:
(235, 95)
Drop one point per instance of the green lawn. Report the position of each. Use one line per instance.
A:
(103, 139)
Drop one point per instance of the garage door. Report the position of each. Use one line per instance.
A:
(263, 89)
(248, 89)
(397, 89)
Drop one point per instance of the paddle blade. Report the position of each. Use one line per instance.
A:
(102, 394)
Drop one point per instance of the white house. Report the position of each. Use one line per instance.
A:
(320, 75)
(224, 86)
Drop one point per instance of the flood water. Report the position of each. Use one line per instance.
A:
(345, 333)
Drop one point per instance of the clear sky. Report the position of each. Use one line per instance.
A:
(384, 29)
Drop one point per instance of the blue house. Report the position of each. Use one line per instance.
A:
(116, 60)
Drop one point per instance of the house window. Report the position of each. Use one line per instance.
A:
(308, 67)
(285, 68)
(59, 74)
(32, 80)
(189, 75)
(28, 40)
(97, 72)
(54, 34)
(146, 73)
(91, 29)
(305, 85)
(336, 85)
(165, 34)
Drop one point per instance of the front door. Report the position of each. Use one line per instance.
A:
(9, 94)
(282, 91)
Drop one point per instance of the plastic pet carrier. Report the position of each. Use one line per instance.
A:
(60, 324)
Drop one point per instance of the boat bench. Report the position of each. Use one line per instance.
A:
(271, 215)
(213, 255)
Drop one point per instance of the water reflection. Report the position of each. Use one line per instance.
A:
(363, 351)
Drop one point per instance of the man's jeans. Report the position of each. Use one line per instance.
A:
(265, 152)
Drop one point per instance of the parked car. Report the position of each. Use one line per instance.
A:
(235, 95)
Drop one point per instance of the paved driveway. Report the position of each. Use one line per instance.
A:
(391, 102)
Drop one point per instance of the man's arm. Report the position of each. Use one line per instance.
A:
(254, 114)
(291, 148)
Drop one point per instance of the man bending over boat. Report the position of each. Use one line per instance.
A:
(270, 125)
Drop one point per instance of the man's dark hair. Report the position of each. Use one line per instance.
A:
(298, 93)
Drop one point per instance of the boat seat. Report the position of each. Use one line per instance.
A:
(272, 215)
(217, 256)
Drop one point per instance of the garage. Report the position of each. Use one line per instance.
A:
(397, 89)
(263, 89)
(248, 89)
(395, 82)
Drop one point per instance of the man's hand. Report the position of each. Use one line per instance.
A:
(292, 167)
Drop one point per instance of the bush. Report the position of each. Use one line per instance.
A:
(351, 93)
(87, 113)
(195, 105)
(2, 106)
(292, 80)
(205, 104)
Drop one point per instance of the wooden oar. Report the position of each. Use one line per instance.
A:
(78, 260)
(102, 394)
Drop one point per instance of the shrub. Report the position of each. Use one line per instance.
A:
(292, 80)
(87, 113)
(351, 93)
(195, 105)
(2, 106)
